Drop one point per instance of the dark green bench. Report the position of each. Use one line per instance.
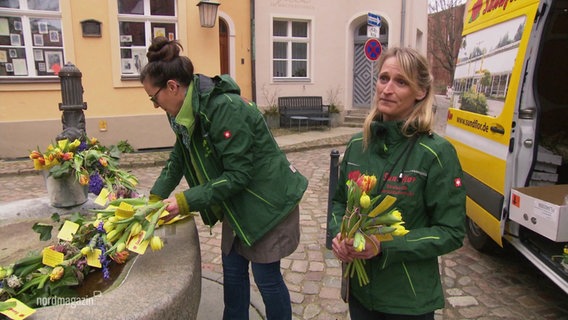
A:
(311, 107)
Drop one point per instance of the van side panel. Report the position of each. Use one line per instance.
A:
(485, 221)
(481, 119)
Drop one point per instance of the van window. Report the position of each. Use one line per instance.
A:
(485, 63)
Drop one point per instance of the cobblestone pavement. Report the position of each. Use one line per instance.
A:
(477, 286)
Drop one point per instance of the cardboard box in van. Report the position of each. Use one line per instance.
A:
(542, 209)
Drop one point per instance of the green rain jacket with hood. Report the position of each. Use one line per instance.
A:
(230, 160)
(424, 174)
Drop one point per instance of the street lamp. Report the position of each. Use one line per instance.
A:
(208, 13)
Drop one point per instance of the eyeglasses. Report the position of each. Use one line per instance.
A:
(154, 98)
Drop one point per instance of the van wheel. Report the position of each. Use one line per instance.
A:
(478, 238)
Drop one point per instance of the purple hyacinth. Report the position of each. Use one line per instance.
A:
(96, 183)
(100, 227)
(103, 259)
(83, 146)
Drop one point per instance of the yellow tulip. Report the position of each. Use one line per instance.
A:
(359, 242)
(56, 273)
(400, 230)
(112, 235)
(156, 243)
(85, 251)
(365, 201)
(108, 226)
(135, 229)
(121, 247)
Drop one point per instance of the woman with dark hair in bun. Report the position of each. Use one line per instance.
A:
(236, 172)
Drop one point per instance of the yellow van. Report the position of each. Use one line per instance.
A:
(508, 120)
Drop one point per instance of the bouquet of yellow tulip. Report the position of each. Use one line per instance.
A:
(92, 164)
(368, 219)
(85, 244)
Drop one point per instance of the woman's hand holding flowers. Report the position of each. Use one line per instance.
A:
(346, 252)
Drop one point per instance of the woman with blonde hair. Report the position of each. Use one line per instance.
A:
(422, 171)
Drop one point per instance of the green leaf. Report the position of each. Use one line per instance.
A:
(77, 217)
(55, 217)
(44, 230)
(61, 169)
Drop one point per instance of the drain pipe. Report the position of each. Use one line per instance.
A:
(252, 50)
(402, 22)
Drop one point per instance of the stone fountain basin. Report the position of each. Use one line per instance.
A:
(157, 285)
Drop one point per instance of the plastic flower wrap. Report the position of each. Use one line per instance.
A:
(91, 163)
(367, 220)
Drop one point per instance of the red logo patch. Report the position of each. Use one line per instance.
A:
(227, 134)
(457, 182)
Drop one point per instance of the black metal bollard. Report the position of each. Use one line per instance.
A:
(72, 105)
(333, 178)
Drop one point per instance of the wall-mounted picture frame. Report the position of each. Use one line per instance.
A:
(171, 36)
(3, 56)
(20, 67)
(41, 67)
(9, 67)
(38, 55)
(17, 25)
(54, 36)
(159, 32)
(13, 53)
(53, 60)
(38, 40)
(42, 27)
(127, 66)
(15, 39)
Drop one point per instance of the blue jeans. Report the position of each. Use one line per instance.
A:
(236, 288)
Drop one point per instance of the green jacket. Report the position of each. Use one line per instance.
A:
(232, 164)
(404, 278)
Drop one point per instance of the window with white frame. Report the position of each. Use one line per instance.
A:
(139, 22)
(31, 38)
(290, 49)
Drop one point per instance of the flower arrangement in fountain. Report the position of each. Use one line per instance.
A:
(92, 164)
(84, 245)
(368, 219)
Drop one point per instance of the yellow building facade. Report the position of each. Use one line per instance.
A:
(106, 40)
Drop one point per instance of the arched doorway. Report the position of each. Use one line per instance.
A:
(224, 46)
(364, 73)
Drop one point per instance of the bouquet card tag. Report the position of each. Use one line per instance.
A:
(68, 230)
(103, 197)
(124, 211)
(51, 257)
(18, 311)
(93, 258)
(137, 244)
